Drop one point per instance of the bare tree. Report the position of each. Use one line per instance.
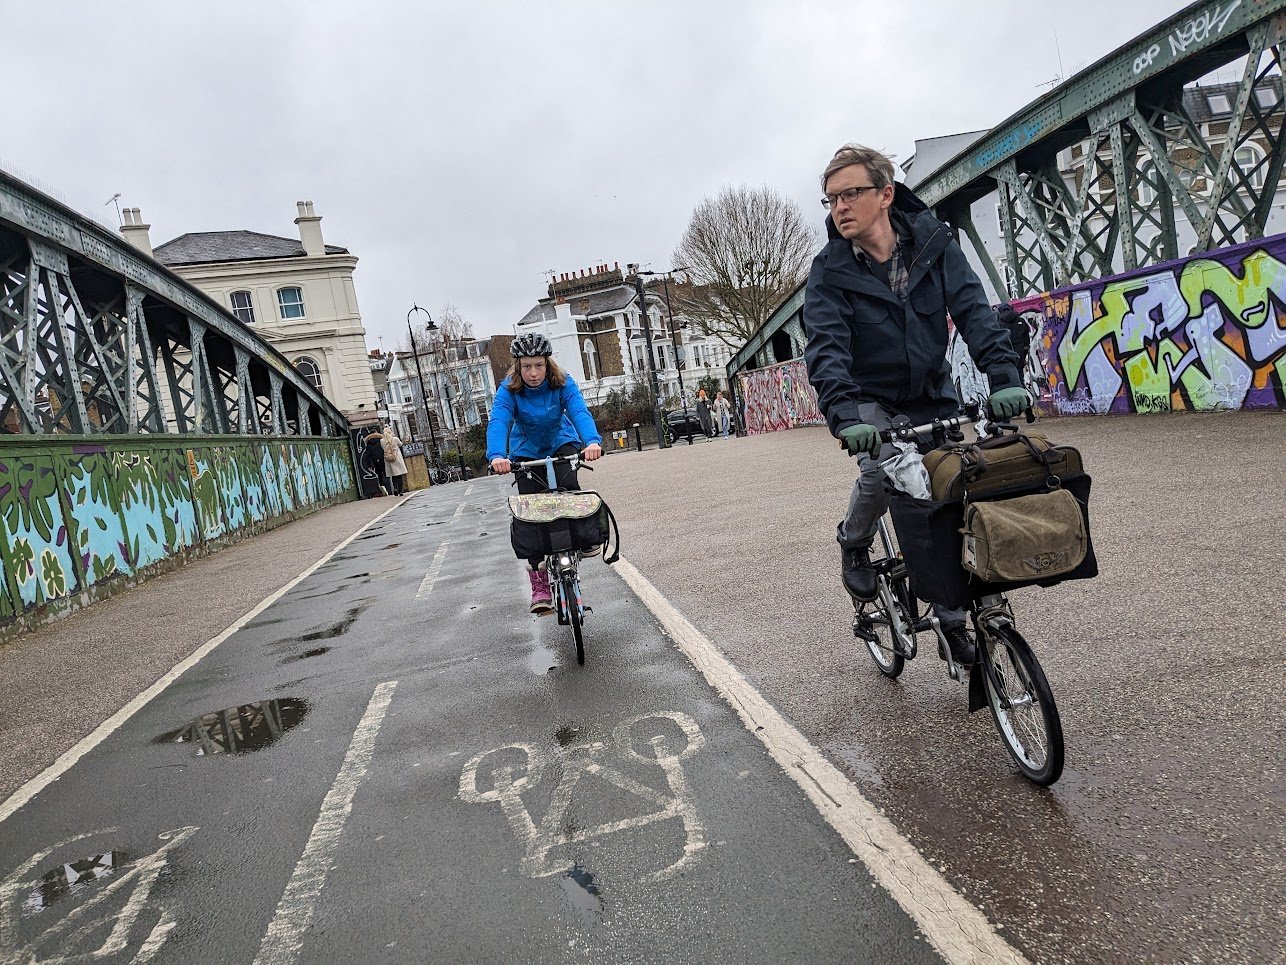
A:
(746, 250)
(450, 325)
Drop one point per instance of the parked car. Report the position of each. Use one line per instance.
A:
(678, 423)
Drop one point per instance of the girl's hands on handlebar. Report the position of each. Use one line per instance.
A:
(500, 465)
(593, 451)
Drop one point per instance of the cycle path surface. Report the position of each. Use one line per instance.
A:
(1164, 839)
(394, 761)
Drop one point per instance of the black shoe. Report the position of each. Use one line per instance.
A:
(859, 575)
(961, 643)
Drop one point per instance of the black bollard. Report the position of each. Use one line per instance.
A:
(638, 437)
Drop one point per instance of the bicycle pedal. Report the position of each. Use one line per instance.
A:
(587, 608)
(864, 630)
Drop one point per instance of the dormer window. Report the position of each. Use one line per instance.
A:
(290, 303)
(1219, 104)
(243, 307)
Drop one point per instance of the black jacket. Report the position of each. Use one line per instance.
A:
(867, 345)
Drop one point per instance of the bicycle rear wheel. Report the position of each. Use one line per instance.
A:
(885, 625)
(1022, 705)
(571, 598)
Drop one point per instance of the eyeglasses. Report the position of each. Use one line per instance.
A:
(848, 195)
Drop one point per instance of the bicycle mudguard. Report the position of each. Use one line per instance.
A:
(977, 690)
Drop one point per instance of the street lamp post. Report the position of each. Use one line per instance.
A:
(446, 391)
(424, 397)
(678, 366)
(651, 356)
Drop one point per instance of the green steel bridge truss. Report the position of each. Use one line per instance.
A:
(1137, 155)
(96, 338)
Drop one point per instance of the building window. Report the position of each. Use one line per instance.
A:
(696, 355)
(290, 302)
(639, 359)
(1249, 159)
(309, 370)
(1266, 97)
(591, 361)
(243, 307)
(1219, 104)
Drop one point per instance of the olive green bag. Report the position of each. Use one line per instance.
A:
(1031, 537)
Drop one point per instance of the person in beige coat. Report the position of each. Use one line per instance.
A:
(394, 464)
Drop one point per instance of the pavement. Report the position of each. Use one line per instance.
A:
(405, 659)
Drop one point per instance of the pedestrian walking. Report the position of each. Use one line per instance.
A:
(703, 414)
(722, 413)
(374, 481)
(394, 464)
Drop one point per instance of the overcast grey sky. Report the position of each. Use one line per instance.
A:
(462, 149)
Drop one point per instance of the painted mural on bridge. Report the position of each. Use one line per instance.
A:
(1198, 334)
(78, 516)
(778, 397)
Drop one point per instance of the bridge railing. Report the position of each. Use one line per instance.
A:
(97, 338)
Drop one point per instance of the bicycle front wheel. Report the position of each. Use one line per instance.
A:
(1022, 705)
(886, 624)
(571, 596)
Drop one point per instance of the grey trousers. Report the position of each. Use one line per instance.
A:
(869, 501)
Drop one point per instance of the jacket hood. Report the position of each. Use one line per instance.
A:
(905, 201)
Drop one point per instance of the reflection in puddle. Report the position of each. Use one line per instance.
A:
(566, 734)
(582, 894)
(71, 879)
(542, 660)
(240, 730)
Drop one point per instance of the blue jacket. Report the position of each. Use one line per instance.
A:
(866, 345)
(533, 423)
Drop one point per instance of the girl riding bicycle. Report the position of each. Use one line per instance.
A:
(539, 412)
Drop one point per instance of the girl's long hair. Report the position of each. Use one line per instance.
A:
(556, 377)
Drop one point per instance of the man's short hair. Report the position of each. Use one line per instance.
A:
(877, 165)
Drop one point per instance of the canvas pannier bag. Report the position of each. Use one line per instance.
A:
(545, 523)
(1006, 463)
(930, 535)
(1031, 537)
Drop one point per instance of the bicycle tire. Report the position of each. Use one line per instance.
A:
(574, 615)
(1029, 726)
(886, 650)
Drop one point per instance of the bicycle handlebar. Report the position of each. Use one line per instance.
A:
(575, 460)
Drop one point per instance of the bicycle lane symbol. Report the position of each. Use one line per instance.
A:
(24, 894)
(508, 787)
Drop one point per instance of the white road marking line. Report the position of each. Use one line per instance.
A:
(955, 928)
(468, 489)
(459, 511)
(285, 936)
(104, 730)
(426, 586)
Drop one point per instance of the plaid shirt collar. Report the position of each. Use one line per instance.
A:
(897, 261)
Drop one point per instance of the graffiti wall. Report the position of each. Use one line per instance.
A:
(1202, 333)
(79, 519)
(778, 397)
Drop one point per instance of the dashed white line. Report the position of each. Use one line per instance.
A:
(285, 935)
(468, 489)
(459, 510)
(426, 586)
(954, 926)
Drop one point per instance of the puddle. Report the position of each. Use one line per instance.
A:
(71, 879)
(265, 623)
(308, 653)
(392, 546)
(542, 660)
(480, 535)
(240, 730)
(582, 894)
(337, 629)
(438, 523)
(566, 734)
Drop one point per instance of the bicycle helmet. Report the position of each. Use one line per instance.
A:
(530, 344)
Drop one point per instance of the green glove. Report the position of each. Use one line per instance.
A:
(1007, 403)
(861, 438)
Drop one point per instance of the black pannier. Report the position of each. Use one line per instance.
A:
(545, 523)
(929, 534)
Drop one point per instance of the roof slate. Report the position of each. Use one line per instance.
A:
(201, 247)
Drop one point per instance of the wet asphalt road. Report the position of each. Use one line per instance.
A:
(431, 753)
(1164, 839)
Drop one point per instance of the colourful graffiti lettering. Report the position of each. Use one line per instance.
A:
(1204, 334)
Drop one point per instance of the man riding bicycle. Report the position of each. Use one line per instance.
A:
(539, 412)
(875, 312)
